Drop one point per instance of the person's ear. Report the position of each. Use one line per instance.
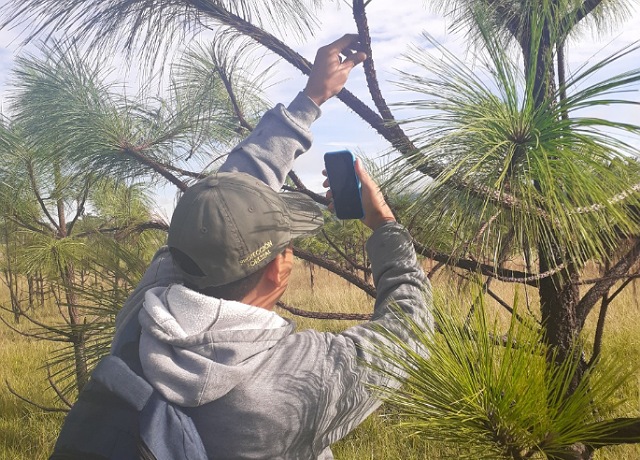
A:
(274, 272)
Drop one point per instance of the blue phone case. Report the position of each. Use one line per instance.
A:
(345, 184)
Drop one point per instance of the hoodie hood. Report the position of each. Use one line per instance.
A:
(194, 349)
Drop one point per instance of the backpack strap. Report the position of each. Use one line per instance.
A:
(114, 374)
(118, 409)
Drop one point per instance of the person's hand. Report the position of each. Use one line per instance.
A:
(376, 210)
(330, 72)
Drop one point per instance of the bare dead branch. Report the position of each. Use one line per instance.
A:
(296, 180)
(324, 315)
(433, 271)
(33, 403)
(36, 323)
(57, 390)
(314, 196)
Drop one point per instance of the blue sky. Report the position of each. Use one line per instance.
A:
(394, 25)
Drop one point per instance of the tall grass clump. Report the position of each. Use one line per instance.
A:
(27, 432)
(495, 395)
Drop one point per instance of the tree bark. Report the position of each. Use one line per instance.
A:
(67, 274)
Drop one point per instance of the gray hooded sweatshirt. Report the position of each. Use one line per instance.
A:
(254, 388)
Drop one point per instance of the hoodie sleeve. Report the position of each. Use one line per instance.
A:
(278, 139)
(351, 359)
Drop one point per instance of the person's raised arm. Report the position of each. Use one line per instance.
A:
(352, 359)
(283, 133)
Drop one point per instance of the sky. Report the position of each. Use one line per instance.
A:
(393, 25)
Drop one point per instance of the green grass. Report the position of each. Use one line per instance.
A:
(28, 433)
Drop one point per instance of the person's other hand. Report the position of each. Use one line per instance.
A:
(330, 72)
(376, 210)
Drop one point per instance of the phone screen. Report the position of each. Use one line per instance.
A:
(344, 184)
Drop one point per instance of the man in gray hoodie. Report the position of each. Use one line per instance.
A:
(201, 329)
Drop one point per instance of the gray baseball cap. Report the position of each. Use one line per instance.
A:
(232, 224)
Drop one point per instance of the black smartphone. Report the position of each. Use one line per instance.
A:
(344, 184)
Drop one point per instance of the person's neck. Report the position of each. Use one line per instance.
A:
(260, 300)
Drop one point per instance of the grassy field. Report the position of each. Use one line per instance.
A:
(27, 432)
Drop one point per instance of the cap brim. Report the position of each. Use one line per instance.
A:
(306, 217)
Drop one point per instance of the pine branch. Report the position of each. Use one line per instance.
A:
(129, 229)
(604, 307)
(483, 228)
(336, 269)
(635, 188)
(36, 192)
(184, 172)
(392, 133)
(244, 124)
(608, 278)
(435, 269)
(598, 290)
(349, 260)
(502, 10)
(360, 17)
(625, 430)
(597, 340)
(157, 167)
(498, 299)
(45, 230)
(574, 17)
(502, 274)
(80, 207)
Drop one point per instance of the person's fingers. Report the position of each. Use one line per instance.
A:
(347, 41)
(362, 173)
(325, 184)
(353, 59)
(329, 197)
(345, 55)
(324, 172)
